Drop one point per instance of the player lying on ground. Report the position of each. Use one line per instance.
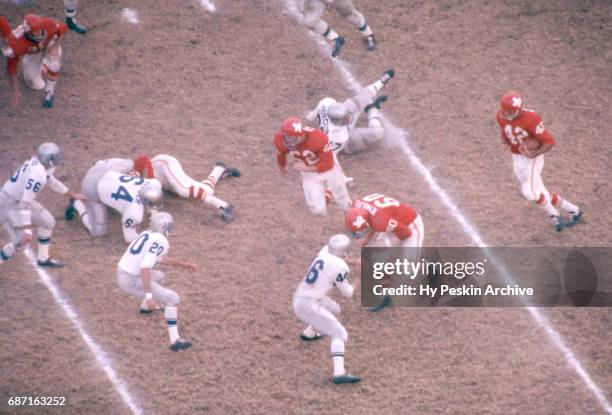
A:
(170, 173)
(311, 154)
(312, 305)
(136, 274)
(339, 119)
(384, 222)
(37, 42)
(112, 183)
(523, 132)
(19, 210)
(312, 11)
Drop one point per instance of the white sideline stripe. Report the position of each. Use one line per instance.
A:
(209, 6)
(101, 357)
(130, 15)
(417, 164)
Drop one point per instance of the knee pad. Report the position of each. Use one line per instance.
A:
(174, 299)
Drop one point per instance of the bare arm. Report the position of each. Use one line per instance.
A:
(145, 274)
(171, 262)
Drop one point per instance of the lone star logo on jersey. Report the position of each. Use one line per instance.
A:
(516, 102)
(540, 128)
(358, 222)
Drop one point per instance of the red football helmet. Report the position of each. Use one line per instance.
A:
(293, 132)
(34, 30)
(144, 167)
(511, 105)
(357, 221)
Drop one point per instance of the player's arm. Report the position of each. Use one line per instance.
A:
(367, 238)
(401, 230)
(540, 133)
(176, 263)
(57, 186)
(312, 117)
(145, 274)
(343, 284)
(281, 153)
(129, 224)
(12, 62)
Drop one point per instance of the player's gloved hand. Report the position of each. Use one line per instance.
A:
(76, 196)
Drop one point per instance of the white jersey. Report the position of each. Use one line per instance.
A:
(123, 166)
(122, 193)
(145, 252)
(29, 180)
(325, 272)
(338, 134)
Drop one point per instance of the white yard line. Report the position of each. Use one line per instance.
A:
(401, 137)
(101, 357)
(130, 15)
(209, 6)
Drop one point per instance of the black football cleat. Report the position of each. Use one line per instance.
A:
(50, 263)
(48, 100)
(390, 73)
(346, 378)
(370, 43)
(386, 302)
(338, 43)
(70, 211)
(576, 217)
(227, 213)
(305, 338)
(74, 26)
(180, 344)
(376, 103)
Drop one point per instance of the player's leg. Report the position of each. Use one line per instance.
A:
(13, 219)
(44, 222)
(53, 64)
(573, 210)
(314, 193)
(366, 98)
(312, 11)
(348, 11)
(337, 184)
(70, 10)
(364, 138)
(33, 70)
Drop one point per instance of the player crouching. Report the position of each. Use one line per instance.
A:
(136, 276)
(312, 305)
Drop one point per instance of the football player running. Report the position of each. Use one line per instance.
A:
(517, 126)
(136, 274)
(312, 305)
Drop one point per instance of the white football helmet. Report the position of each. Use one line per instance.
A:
(162, 222)
(151, 195)
(339, 245)
(49, 154)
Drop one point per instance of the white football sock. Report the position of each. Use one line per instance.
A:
(170, 313)
(337, 352)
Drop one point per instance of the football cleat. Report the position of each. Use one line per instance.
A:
(180, 344)
(376, 103)
(48, 100)
(50, 263)
(386, 302)
(70, 211)
(305, 338)
(369, 43)
(338, 43)
(575, 218)
(73, 25)
(558, 223)
(229, 171)
(390, 73)
(227, 213)
(346, 378)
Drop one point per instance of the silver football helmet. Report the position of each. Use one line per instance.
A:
(339, 114)
(49, 154)
(339, 245)
(151, 195)
(162, 222)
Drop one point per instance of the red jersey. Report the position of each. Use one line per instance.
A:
(315, 150)
(527, 124)
(387, 214)
(19, 45)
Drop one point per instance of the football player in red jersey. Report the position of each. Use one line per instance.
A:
(38, 43)
(384, 222)
(518, 127)
(312, 155)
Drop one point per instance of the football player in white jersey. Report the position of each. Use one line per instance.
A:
(19, 210)
(339, 120)
(130, 195)
(136, 274)
(312, 305)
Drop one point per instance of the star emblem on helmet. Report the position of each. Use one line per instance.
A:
(297, 127)
(517, 102)
(358, 222)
